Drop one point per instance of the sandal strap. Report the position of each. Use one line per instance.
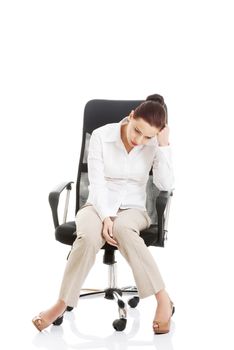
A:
(159, 323)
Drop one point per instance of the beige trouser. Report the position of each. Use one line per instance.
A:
(89, 241)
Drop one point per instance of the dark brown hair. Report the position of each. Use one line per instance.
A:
(153, 110)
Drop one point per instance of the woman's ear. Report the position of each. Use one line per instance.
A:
(131, 115)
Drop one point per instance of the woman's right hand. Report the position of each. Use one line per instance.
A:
(163, 136)
(107, 231)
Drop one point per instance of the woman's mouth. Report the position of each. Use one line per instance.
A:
(133, 143)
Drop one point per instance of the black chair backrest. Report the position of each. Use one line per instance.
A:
(98, 113)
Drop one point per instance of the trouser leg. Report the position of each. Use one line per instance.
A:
(82, 257)
(126, 230)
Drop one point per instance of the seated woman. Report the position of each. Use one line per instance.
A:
(119, 160)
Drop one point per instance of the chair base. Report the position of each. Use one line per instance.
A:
(112, 292)
(109, 291)
(116, 293)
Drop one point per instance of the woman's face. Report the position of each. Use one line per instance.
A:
(139, 132)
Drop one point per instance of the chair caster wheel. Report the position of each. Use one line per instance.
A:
(58, 321)
(133, 302)
(119, 324)
(69, 308)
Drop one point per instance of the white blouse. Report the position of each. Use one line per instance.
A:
(117, 178)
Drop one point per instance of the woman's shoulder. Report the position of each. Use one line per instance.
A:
(106, 130)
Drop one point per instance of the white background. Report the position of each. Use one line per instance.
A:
(55, 56)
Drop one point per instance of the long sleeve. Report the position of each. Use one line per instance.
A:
(163, 176)
(98, 188)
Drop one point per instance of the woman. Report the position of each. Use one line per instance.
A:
(119, 160)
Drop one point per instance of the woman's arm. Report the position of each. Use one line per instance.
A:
(98, 191)
(98, 188)
(163, 176)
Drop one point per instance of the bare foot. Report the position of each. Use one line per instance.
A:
(54, 312)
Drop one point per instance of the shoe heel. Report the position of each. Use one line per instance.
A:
(173, 310)
(58, 321)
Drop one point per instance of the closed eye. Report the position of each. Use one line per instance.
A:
(146, 137)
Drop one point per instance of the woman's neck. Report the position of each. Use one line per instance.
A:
(123, 134)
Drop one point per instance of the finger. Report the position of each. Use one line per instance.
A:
(110, 232)
(113, 244)
(109, 229)
(109, 238)
(111, 241)
(105, 234)
(163, 128)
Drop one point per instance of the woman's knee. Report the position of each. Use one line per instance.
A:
(88, 240)
(88, 228)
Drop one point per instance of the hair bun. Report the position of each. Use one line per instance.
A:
(156, 98)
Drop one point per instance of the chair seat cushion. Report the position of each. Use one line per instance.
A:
(150, 235)
(66, 234)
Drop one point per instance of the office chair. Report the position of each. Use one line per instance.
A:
(98, 113)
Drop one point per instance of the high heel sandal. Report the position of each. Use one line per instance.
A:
(163, 327)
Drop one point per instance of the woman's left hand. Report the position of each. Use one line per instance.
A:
(163, 136)
(107, 232)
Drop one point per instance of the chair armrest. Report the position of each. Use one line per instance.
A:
(54, 199)
(161, 204)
